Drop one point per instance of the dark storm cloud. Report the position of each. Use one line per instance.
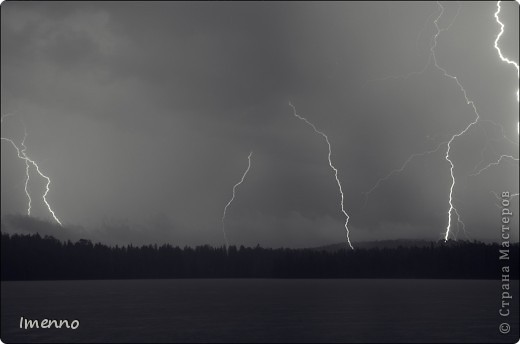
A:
(137, 109)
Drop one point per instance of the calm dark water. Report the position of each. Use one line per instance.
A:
(259, 310)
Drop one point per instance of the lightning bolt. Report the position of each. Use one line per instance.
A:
(21, 153)
(452, 210)
(24, 148)
(504, 136)
(502, 57)
(511, 62)
(401, 169)
(331, 166)
(462, 225)
(428, 61)
(503, 156)
(233, 197)
(499, 199)
(433, 58)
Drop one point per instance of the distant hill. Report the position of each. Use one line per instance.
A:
(390, 244)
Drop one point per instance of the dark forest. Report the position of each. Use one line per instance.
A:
(32, 257)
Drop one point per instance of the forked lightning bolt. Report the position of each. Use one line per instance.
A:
(404, 77)
(428, 61)
(452, 210)
(22, 154)
(511, 62)
(433, 58)
(331, 166)
(502, 157)
(508, 61)
(401, 169)
(233, 197)
(502, 57)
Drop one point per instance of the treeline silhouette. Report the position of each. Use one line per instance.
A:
(32, 257)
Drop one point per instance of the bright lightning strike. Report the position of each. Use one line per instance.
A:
(23, 151)
(21, 155)
(511, 62)
(331, 166)
(28, 161)
(233, 197)
(502, 57)
(452, 210)
(433, 58)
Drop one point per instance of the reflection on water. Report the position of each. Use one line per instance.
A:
(259, 310)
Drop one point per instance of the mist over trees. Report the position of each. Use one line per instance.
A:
(33, 257)
(110, 231)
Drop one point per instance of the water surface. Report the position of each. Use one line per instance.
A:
(265, 310)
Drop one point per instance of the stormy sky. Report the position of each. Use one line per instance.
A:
(143, 115)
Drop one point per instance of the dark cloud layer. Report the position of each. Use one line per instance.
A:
(143, 115)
